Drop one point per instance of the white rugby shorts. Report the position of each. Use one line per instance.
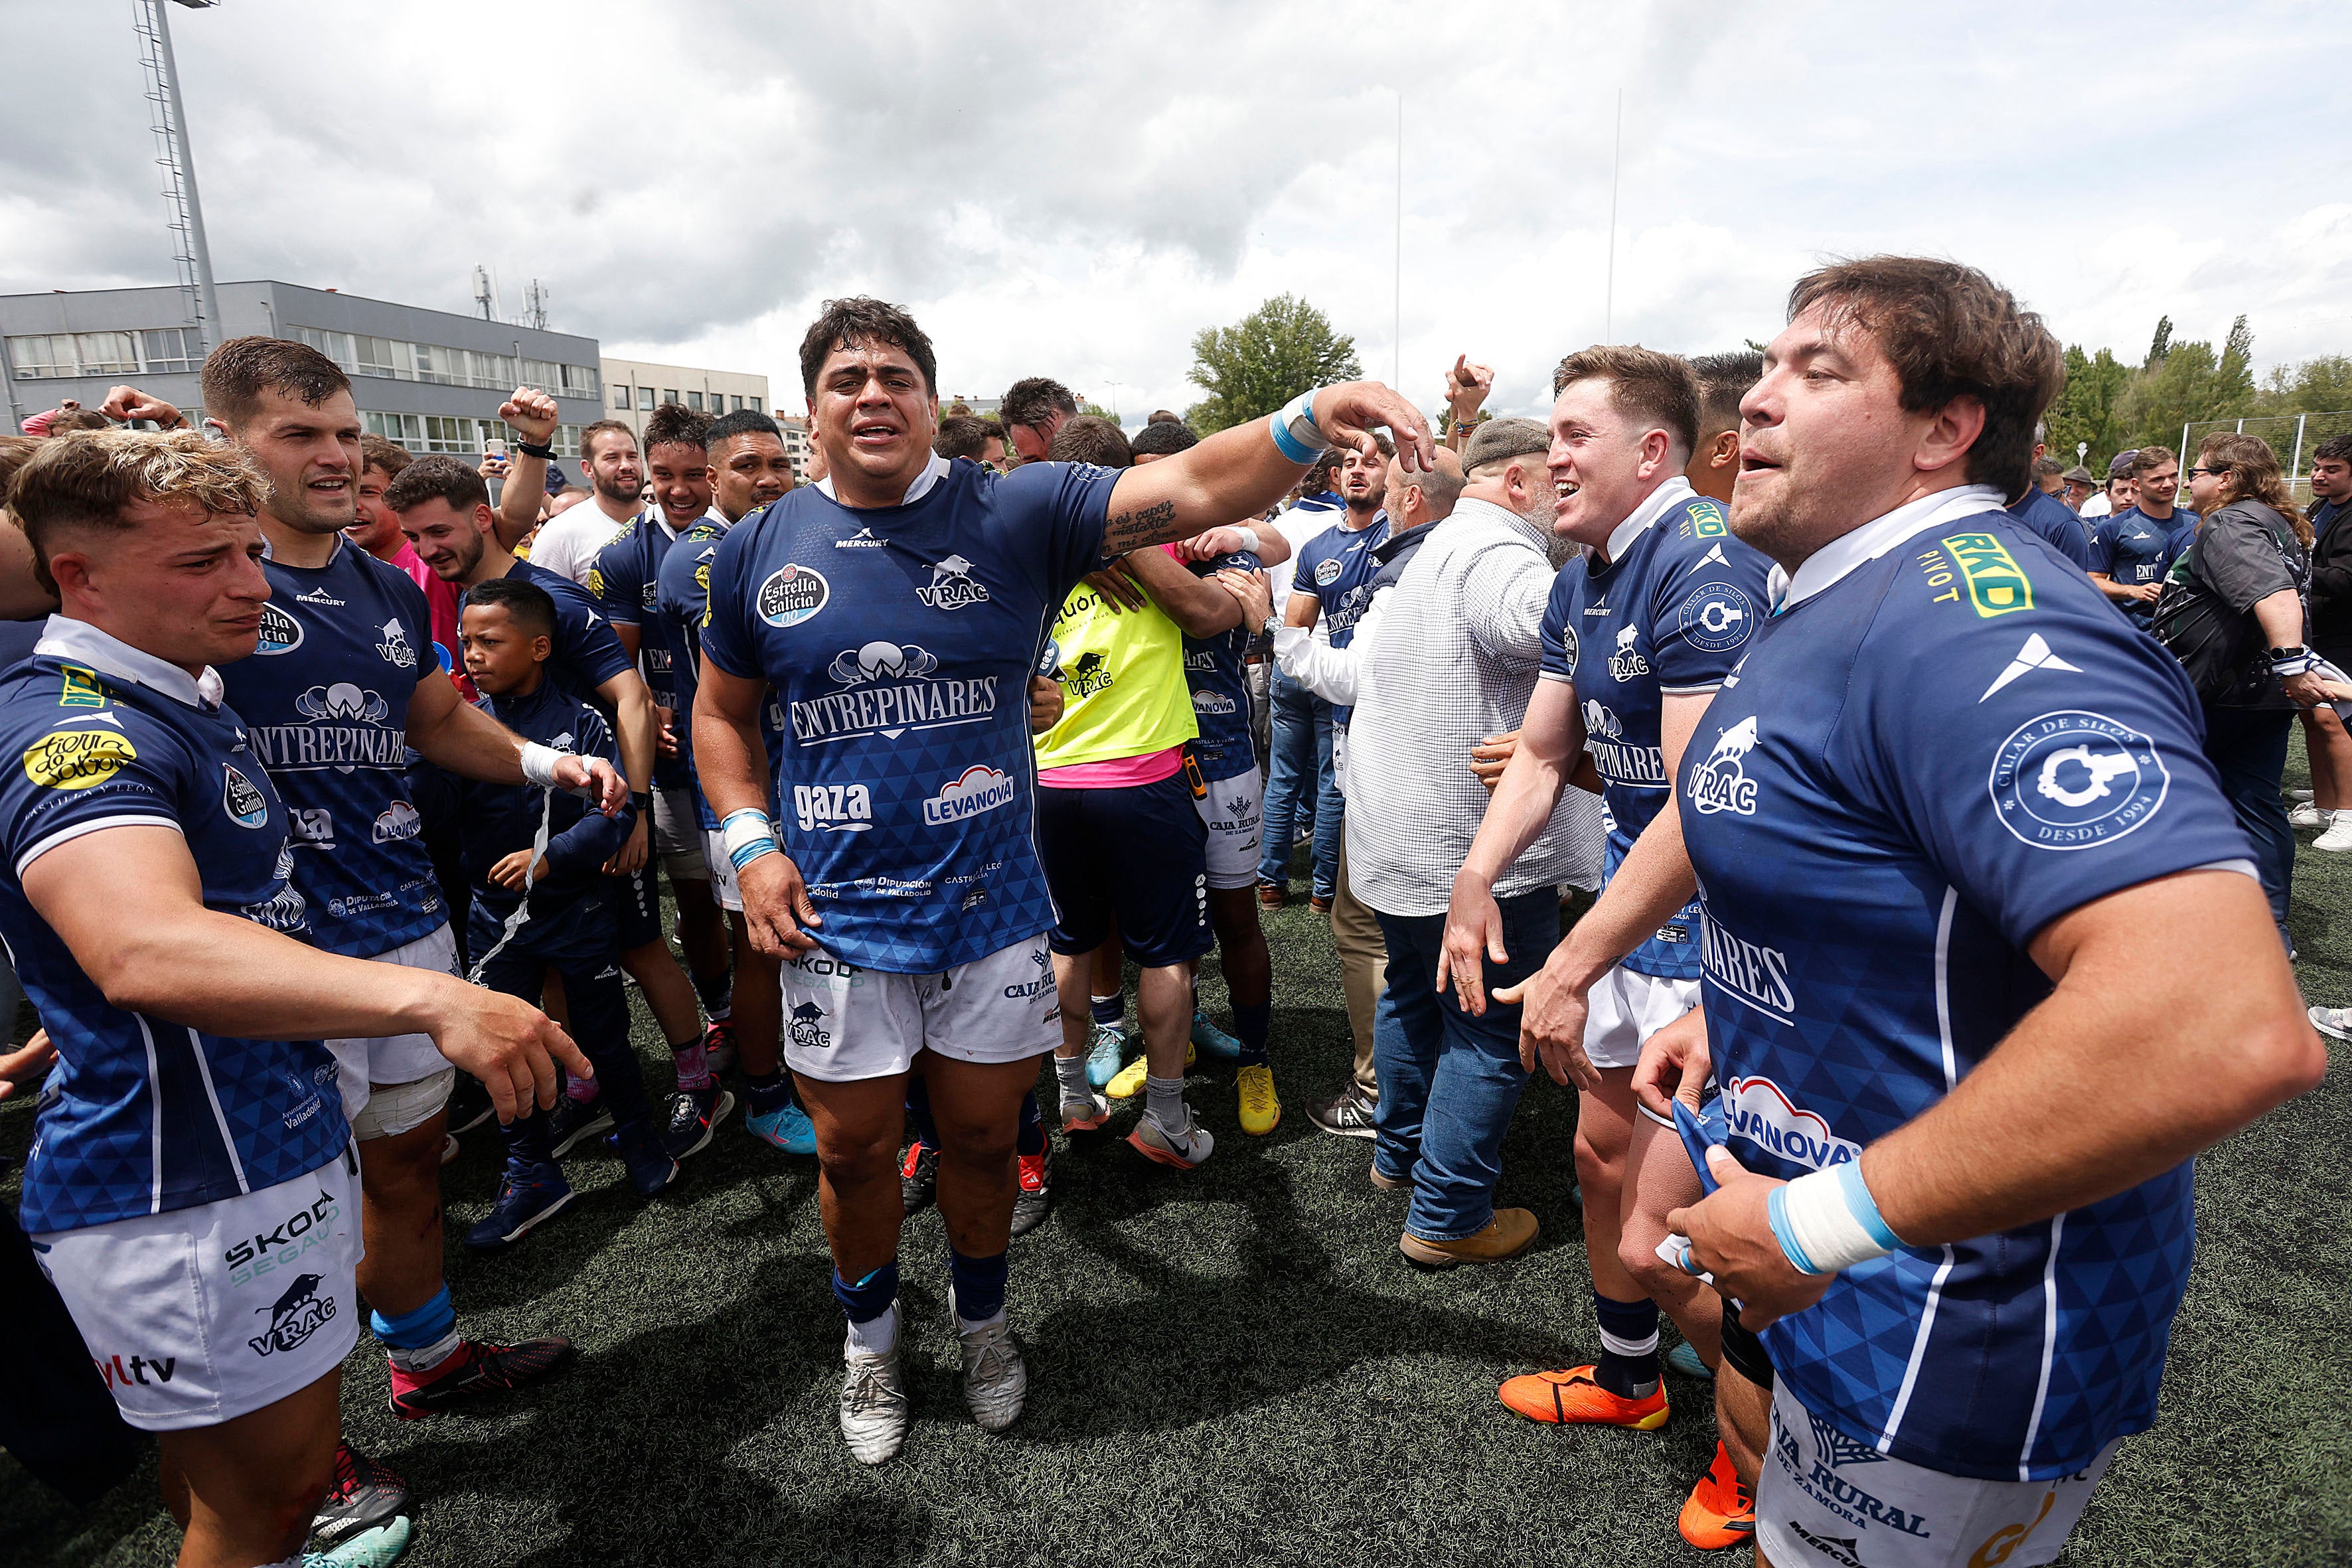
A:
(720, 872)
(1823, 1497)
(1235, 809)
(1625, 1008)
(842, 1023)
(365, 1061)
(205, 1314)
(677, 834)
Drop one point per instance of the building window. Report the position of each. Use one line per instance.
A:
(402, 430)
(579, 381)
(381, 356)
(755, 406)
(42, 355)
(567, 440)
(737, 405)
(620, 397)
(460, 437)
(645, 400)
(694, 401)
(669, 395)
(171, 349)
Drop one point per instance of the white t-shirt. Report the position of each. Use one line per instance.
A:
(1298, 524)
(2097, 506)
(569, 544)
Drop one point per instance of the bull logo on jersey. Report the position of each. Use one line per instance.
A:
(1720, 783)
(1214, 703)
(295, 1315)
(1627, 661)
(882, 661)
(979, 788)
(77, 759)
(791, 596)
(280, 633)
(1089, 675)
(952, 585)
(1717, 617)
(809, 1032)
(2074, 780)
(345, 701)
(246, 806)
(399, 823)
(1600, 723)
(395, 647)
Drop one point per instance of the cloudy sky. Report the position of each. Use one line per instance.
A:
(1074, 190)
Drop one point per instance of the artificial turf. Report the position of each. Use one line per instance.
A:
(1235, 1365)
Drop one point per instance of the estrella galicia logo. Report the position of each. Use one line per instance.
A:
(2072, 780)
(294, 1317)
(1570, 646)
(792, 595)
(245, 805)
(809, 1032)
(1718, 617)
(1720, 783)
(280, 633)
(1327, 571)
(1036, 984)
(1627, 661)
(952, 585)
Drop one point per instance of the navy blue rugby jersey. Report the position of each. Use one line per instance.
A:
(684, 598)
(900, 641)
(144, 1115)
(2134, 548)
(1337, 567)
(624, 581)
(1668, 617)
(1914, 770)
(586, 653)
(1220, 684)
(2038, 511)
(325, 698)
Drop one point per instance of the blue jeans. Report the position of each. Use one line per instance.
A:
(1301, 761)
(2247, 746)
(1449, 1082)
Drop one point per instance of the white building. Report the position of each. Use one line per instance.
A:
(634, 388)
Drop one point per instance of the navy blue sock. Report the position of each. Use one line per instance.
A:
(718, 996)
(1628, 1367)
(870, 1297)
(1110, 1009)
(528, 1139)
(978, 1285)
(919, 1112)
(1251, 1020)
(1032, 1140)
(770, 1093)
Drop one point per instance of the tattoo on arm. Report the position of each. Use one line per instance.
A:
(1133, 528)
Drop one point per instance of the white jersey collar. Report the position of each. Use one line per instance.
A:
(933, 472)
(1841, 555)
(85, 644)
(1621, 537)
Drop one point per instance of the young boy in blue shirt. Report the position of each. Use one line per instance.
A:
(534, 858)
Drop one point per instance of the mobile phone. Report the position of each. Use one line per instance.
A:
(494, 447)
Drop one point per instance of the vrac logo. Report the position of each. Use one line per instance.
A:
(1627, 661)
(295, 1315)
(952, 585)
(2073, 780)
(979, 788)
(395, 647)
(1759, 1111)
(1720, 783)
(809, 1032)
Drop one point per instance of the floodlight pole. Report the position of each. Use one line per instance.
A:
(207, 298)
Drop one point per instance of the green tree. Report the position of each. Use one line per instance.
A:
(1265, 359)
(2316, 385)
(2088, 410)
(2162, 345)
(2190, 384)
(1098, 411)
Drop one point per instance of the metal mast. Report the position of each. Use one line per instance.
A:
(178, 163)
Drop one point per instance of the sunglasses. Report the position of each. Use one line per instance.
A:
(2193, 473)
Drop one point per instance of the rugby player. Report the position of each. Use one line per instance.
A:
(1961, 869)
(189, 1185)
(2326, 743)
(1639, 633)
(2132, 550)
(897, 661)
(625, 580)
(377, 531)
(1031, 410)
(749, 467)
(2054, 520)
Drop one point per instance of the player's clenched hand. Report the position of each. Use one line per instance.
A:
(532, 412)
(632, 857)
(1675, 1064)
(1731, 1237)
(1044, 703)
(509, 1045)
(595, 778)
(1350, 412)
(1255, 592)
(127, 403)
(1551, 1024)
(776, 905)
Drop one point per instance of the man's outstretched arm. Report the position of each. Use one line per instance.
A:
(1242, 471)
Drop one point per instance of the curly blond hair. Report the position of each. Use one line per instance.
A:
(89, 478)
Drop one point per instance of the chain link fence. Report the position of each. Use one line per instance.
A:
(2291, 435)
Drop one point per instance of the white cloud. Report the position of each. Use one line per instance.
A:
(1077, 191)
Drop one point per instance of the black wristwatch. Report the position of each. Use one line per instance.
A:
(544, 454)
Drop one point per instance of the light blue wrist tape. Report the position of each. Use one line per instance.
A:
(1863, 1206)
(1288, 438)
(744, 854)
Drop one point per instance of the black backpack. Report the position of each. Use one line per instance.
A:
(2224, 652)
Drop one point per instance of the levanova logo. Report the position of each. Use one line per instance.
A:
(280, 633)
(1759, 1111)
(977, 789)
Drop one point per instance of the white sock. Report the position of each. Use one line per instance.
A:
(876, 1336)
(427, 1357)
(1071, 1071)
(1163, 1101)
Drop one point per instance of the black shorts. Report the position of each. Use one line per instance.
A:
(1743, 1350)
(1139, 854)
(637, 906)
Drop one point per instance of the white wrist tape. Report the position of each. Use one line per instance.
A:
(1250, 541)
(1831, 1216)
(745, 826)
(1295, 432)
(539, 764)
